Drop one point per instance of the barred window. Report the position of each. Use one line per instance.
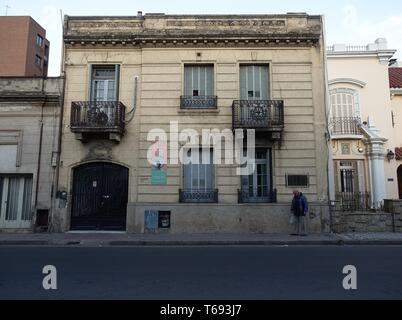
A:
(297, 180)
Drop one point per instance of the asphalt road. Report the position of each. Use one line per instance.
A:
(213, 273)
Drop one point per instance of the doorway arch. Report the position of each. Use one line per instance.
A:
(100, 196)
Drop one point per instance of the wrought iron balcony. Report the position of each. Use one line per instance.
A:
(198, 196)
(98, 117)
(199, 102)
(259, 195)
(265, 115)
(353, 201)
(345, 126)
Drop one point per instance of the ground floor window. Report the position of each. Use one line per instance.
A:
(199, 176)
(15, 201)
(257, 187)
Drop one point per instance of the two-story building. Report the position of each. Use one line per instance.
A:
(361, 125)
(132, 82)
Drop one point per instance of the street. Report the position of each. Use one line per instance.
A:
(214, 273)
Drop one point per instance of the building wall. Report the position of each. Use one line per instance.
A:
(24, 103)
(396, 140)
(18, 43)
(375, 102)
(296, 76)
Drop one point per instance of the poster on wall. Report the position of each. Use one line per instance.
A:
(159, 163)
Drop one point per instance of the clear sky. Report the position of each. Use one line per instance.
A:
(347, 21)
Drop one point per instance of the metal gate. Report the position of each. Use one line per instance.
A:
(100, 196)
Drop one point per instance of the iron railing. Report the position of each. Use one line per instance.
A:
(97, 116)
(353, 201)
(258, 114)
(198, 196)
(199, 102)
(345, 126)
(262, 195)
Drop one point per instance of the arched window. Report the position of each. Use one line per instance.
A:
(344, 103)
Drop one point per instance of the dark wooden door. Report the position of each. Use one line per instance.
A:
(100, 196)
(400, 181)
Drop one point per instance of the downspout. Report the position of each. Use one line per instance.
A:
(330, 169)
(38, 167)
(60, 134)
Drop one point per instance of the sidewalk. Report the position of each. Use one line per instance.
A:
(123, 239)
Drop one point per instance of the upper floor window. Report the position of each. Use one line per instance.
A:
(254, 82)
(104, 82)
(199, 87)
(38, 60)
(344, 103)
(39, 40)
(345, 112)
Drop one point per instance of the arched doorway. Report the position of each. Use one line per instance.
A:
(400, 181)
(100, 196)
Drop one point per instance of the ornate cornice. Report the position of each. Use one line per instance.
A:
(194, 31)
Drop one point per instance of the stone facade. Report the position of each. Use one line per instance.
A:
(152, 52)
(29, 126)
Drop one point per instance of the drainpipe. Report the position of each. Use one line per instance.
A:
(55, 186)
(38, 168)
(330, 164)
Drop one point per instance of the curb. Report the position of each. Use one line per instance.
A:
(184, 243)
(24, 243)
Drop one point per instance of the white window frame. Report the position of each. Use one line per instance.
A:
(19, 222)
(355, 104)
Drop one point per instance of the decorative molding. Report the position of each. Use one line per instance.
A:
(355, 82)
(100, 151)
(13, 137)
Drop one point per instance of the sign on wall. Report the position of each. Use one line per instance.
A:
(151, 220)
(159, 163)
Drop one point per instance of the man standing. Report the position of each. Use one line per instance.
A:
(299, 210)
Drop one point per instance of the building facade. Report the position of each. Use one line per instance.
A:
(361, 125)
(29, 127)
(395, 84)
(133, 81)
(24, 48)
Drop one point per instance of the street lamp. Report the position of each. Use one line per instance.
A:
(390, 155)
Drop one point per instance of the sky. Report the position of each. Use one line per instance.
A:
(347, 21)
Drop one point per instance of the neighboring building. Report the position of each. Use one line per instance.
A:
(262, 72)
(29, 126)
(361, 125)
(395, 81)
(24, 48)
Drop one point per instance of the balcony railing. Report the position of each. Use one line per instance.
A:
(98, 117)
(260, 195)
(345, 126)
(198, 196)
(199, 102)
(353, 201)
(258, 114)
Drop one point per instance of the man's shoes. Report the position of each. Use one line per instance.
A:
(303, 235)
(294, 234)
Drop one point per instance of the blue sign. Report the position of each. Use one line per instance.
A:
(151, 219)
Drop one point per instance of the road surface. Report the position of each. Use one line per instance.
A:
(213, 273)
